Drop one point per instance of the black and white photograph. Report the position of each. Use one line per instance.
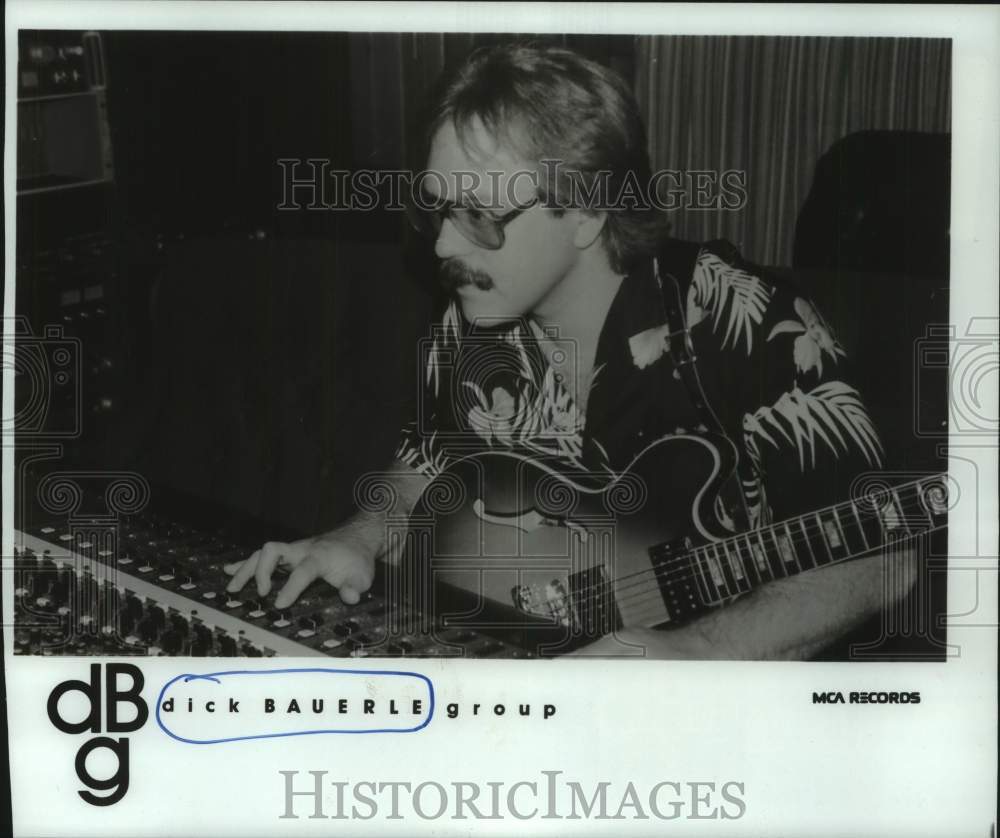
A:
(406, 344)
(596, 408)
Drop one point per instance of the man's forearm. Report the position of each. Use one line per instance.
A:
(795, 618)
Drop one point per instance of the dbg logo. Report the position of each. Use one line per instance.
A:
(119, 747)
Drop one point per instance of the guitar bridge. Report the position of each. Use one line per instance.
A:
(550, 601)
(584, 603)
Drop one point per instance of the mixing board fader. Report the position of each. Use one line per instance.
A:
(162, 591)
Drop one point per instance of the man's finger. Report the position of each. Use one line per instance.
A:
(270, 554)
(298, 581)
(243, 573)
(349, 595)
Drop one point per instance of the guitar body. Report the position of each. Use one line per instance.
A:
(548, 561)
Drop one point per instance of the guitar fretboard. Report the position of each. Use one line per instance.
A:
(833, 534)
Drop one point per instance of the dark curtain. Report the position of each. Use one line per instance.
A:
(392, 73)
(771, 107)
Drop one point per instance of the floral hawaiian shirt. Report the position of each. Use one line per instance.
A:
(772, 369)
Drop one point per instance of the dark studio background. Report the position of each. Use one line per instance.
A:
(260, 361)
(256, 358)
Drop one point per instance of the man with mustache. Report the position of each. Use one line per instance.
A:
(558, 323)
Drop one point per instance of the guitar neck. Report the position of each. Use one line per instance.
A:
(834, 534)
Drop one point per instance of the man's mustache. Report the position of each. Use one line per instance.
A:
(454, 275)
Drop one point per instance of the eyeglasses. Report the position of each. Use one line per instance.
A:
(476, 224)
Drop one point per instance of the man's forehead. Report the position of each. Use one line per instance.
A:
(479, 162)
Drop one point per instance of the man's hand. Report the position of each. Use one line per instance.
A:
(790, 619)
(336, 560)
(345, 557)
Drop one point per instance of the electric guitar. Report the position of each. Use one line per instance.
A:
(550, 561)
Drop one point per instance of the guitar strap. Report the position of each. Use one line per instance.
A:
(674, 266)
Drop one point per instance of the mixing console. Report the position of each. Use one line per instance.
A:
(162, 591)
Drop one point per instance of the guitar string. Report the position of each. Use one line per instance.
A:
(686, 571)
(682, 573)
(650, 588)
(653, 590)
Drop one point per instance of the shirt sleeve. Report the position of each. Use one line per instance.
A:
(793, 409)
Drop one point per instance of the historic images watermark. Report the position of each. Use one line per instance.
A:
(312, 184)
(549, 797)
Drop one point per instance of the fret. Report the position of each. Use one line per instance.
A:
(831, 529)
(745, 557)
(759, 558)
(805, 537)
(818, 542)
(731, 582)
(773, 557)
(832, 535)
(709, 592)
(792, 546)
(860, 527)
(871, 524)
(893, 517)
(737, 567)
(850, 532)
(715, 571)
(786, 550)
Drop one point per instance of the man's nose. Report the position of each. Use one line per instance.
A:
(450, 242)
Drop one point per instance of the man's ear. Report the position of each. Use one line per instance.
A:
(589, 226)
